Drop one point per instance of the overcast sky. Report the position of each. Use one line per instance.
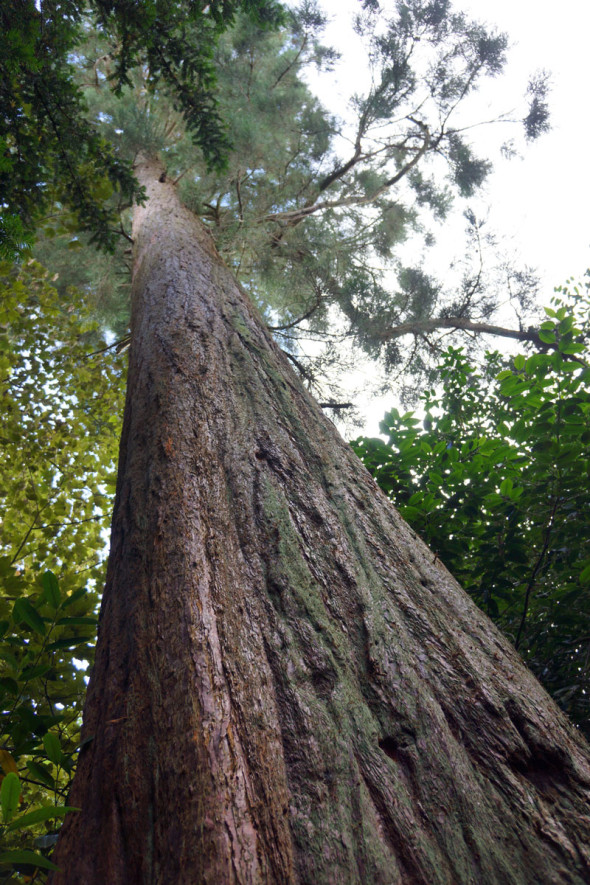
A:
(544, 199)
(540, 202)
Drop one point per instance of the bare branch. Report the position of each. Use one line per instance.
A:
(119, 346)
(300, 319)
(464, 324)
(305, 373)
(422, 327)
(291, 64)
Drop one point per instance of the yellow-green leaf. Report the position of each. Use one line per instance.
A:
(51, 589)
(9, 795)
(7, 762)
(48, 812)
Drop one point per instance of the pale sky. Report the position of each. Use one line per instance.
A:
(540, 203)
(544, 199)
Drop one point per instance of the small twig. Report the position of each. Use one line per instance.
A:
(59, 525)
(124, 233)
(306, 374)
(300, 319)
(291, 64)
(120, 344)
(538, 564)
(182, 174)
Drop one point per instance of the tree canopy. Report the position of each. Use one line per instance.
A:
(309, 210)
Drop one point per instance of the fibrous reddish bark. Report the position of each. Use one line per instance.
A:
(289, 687)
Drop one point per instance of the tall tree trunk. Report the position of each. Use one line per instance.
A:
(289, 687)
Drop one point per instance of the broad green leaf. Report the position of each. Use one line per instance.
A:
(506, 486)
(9, 685)
(9, 795)
(566, 324)
(53, 748)
(28, 858)
(33, 672)
(411, 513)
(6, 566)
(572, 347)
(23, 611)
(75, 596)
(535, 362)
(72, 642)
(40, 772)
(10, 659)
(51, 589)
(48, 812)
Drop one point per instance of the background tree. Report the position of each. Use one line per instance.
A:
(495, 480)
(59, 427)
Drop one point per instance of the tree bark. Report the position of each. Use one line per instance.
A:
(289, 687)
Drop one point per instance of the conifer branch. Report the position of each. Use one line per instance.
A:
(296, 216)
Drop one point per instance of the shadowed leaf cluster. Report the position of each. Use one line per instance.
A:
(496, 481)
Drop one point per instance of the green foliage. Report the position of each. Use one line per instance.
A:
(59, 428)
(50, 153)
(536, 121)
(175, 43)
(496, 481)
(313, 230)
(278, 131)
